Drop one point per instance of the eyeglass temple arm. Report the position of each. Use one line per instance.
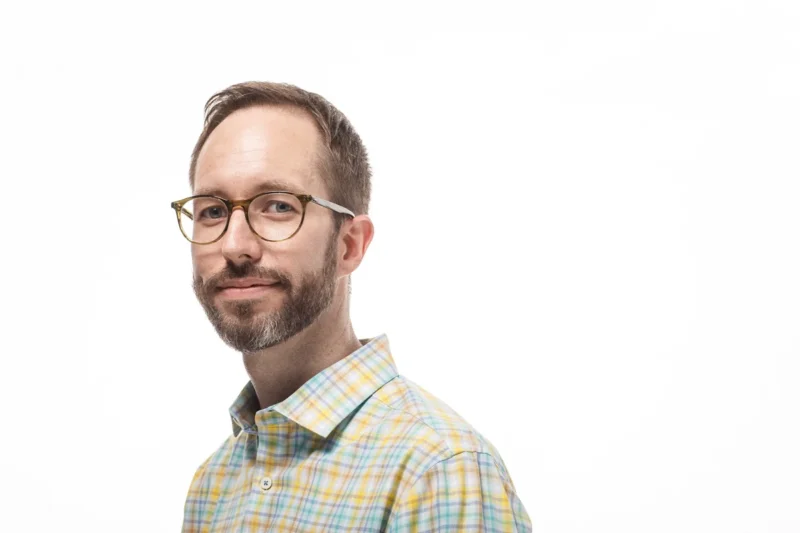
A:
(184, 211)
(332, 206)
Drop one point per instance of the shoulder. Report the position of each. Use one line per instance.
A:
(427, 422)
(457, 480)
(216, 464)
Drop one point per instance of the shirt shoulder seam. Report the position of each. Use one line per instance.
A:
(419, 420)
(434, 465)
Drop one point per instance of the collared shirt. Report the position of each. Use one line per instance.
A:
(357, 448)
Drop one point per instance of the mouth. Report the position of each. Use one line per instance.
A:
(251, 291)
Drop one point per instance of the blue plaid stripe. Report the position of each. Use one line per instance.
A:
(356, 448)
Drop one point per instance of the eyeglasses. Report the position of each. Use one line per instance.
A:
(272, 216)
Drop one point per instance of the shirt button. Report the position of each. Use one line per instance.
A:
(265, 484)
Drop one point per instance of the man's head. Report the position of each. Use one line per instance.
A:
(261, 137)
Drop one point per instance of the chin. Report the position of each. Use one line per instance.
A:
(247, 310)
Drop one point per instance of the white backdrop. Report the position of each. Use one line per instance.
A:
(623, 328)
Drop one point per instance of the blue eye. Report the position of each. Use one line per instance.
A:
(276, 206)
(279, 207)
(207, 210)
(213, 213)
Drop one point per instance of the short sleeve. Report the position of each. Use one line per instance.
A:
(467, 492)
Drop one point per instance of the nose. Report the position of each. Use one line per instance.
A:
(240, 244)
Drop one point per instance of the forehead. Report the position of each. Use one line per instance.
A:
(261, 148)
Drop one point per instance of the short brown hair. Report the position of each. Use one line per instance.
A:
(345, 167)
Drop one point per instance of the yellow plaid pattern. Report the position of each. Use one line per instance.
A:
(357, 448)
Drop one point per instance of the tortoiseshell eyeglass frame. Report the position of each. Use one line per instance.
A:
(305, 199)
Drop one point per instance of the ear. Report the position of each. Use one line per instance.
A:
(354, 239)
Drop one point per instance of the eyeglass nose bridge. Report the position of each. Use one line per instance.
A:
(244, 205)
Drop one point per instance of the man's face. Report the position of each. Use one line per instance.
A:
(257, 150)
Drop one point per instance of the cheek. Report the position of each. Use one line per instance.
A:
(297, 261)
(206, 262)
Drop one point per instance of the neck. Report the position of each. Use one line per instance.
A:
(280, 370)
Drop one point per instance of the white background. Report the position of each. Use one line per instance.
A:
(587, 243)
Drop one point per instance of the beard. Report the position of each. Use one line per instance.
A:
(245, 329)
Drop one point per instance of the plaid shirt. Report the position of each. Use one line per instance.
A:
(357, 448)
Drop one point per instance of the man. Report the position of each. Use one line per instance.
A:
(326, 435)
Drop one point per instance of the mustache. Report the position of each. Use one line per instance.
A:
(233, 271)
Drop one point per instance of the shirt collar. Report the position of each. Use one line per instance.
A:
(326, 399)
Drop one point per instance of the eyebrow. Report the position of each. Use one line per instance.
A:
(262, 186)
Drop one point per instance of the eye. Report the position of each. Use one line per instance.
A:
(278, 207)
(213, 213)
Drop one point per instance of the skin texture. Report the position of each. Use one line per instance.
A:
(292, 331)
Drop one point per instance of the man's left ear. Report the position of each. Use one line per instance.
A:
(354, 239)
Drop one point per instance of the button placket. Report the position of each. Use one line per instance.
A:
(273, 431)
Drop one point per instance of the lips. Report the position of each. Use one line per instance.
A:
(251, 291)
(245, 284)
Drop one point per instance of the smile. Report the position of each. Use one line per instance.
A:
(248, 292)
